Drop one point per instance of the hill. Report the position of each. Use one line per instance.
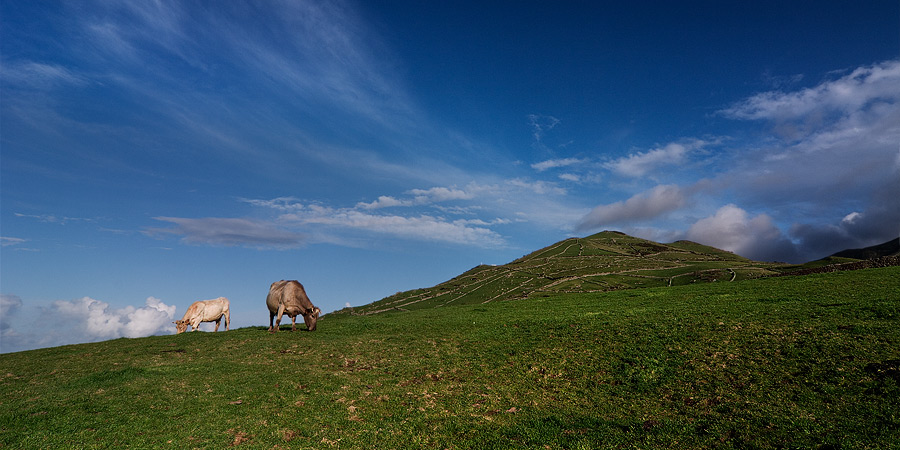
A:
(882, 255)
(606, 261)
(889, 248)
(790, 362)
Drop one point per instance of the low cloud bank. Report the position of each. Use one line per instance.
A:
(25, 327)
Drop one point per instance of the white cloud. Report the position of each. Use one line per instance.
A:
(443, 194)
(660, 200)
(422, 197)
(423, 215)
(384, 201)
(7, 241)
(851, 218)
(317, 223)
(554, 163)
(152, 319)
(9, 305)
(280, 203)
(849, 93)
(95, 320)
(423, 227)
(537, 187)
(731, 228)
(82, 320)
(667, 157)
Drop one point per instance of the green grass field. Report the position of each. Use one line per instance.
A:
(789, 362)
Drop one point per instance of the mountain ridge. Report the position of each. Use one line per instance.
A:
(609, 261)
(889, 248)
(605, 261)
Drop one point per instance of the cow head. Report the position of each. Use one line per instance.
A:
(181, 326)
(311, 317)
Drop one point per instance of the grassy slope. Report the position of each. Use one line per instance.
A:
(602, 262)
(792, 362)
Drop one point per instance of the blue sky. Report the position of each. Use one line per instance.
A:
(158, 153)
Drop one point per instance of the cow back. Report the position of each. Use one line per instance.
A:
(276, 292)
(295, 296)
(292, 295)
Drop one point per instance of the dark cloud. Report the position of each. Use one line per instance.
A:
(876, 225)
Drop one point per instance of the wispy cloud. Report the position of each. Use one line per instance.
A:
(38, 75)
(467, 215)
(555, 163)
(229, 232)
(52, 218)
(539, 187)
(421, 227)
(7, 241)
(311, 222)
(412, 225)
(316, 72)
(443, 194)
(644, 206)
(667, 157)
(541, 124)
(423, 197)
(385, 201)
(857, 90)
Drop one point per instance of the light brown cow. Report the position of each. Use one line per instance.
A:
(289, 297)
(205, 311)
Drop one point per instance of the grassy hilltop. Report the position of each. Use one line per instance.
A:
(790, 362)
(603, 262)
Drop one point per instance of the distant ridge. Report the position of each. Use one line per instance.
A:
(889, 248)
(605, 261)
(882, 255)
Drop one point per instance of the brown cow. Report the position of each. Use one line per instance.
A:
(289, 297)
(204, 311)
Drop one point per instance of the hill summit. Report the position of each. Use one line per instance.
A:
(605, 261)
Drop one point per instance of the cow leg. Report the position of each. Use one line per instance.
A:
(217, 324)
(271, 319)
(227, 319)
(278, 319)
(294, 323)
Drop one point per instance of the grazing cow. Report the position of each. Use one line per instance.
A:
(204, 311)
(289, 297)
